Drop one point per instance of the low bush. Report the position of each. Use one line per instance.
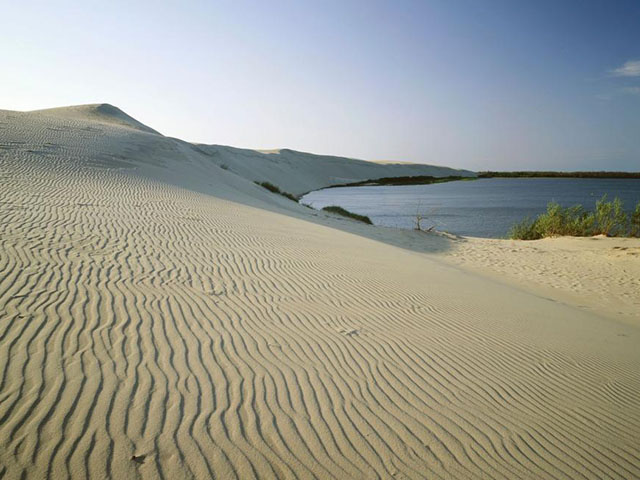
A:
(347, 213)
(525, 230)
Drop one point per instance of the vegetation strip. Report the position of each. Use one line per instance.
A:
(347, 213)
(273, 188)
(609, 218)
(411, 180)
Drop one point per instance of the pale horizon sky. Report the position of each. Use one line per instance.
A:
(497, 85)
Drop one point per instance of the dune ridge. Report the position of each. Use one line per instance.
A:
(97, 113)
(164, 317)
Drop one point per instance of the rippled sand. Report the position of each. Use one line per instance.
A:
(161, 316)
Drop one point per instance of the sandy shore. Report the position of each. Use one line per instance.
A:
(161, 316)
(595, 274)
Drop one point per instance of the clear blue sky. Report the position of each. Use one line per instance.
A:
(473, 84)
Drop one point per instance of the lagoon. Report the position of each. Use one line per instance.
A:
(481, 208)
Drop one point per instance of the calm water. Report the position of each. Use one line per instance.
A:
(480, 208)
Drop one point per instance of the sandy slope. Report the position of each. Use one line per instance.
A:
(161, 317)
(595, 274)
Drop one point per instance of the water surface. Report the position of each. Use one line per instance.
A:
(479, 208)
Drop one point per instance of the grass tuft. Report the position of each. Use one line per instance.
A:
(634, 222)
(347, 213)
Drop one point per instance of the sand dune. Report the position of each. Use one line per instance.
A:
(161, 316)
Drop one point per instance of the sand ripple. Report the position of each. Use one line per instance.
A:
(158, 331)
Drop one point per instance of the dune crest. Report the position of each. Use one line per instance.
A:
(98, 112)
(161, 316)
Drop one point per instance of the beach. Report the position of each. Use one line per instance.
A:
(162, 316)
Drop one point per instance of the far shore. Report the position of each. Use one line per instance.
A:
(552, 174)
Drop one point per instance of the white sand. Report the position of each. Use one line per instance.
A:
(162, 317)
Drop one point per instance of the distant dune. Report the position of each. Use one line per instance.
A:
(294, 172)
(98, 113)
(162, 316)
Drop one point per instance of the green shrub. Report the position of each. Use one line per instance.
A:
(552, 222)
(558, 221)
(347, 213)
(603, 216)
(610, 218)
(272, 188)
